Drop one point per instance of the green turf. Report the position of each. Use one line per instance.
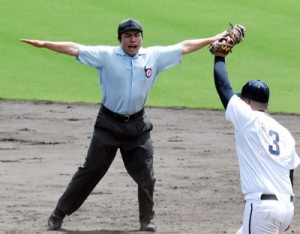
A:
(269, 51)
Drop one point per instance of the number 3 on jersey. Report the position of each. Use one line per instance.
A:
(274, 149)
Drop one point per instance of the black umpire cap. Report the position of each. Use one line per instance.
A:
(256, 90)
(128, 24)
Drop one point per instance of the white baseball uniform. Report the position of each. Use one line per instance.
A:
(266, 154)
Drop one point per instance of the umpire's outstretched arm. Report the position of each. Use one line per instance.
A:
(221, 80)
(68, 48)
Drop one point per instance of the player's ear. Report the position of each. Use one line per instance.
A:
(248, 101)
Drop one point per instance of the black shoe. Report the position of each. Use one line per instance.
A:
(55, 220)
(148, 226)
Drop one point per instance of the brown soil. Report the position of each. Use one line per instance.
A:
(197, 189)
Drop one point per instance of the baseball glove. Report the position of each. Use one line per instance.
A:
(235, 34)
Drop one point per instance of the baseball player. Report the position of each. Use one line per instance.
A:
(127, 73)
(266, 154)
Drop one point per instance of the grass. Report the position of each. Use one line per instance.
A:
(268, 51)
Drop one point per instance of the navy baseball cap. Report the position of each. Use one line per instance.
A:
(256, 90)
(129, 24)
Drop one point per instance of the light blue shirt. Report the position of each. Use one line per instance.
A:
(126, 81)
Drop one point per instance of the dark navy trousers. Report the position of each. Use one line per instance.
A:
(133, 140)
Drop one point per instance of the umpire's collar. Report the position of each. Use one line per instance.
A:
(120, 51)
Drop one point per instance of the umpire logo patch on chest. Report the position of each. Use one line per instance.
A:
(148, 72)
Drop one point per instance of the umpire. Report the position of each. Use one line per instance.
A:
(126, 73)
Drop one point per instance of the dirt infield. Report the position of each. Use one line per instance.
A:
(197, 189)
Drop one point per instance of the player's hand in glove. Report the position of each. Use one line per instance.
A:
(222, 47)
(233, 36)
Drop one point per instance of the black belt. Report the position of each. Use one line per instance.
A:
(122, 118)
(272, 197)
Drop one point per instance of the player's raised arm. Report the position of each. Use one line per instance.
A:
(222, 83)
(220, 49)
(68, 48)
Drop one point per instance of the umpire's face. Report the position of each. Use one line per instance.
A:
(131, 41)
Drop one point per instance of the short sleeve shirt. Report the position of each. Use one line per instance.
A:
(265, 149)
(126, 81)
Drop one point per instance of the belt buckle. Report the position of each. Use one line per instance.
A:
(126, 118)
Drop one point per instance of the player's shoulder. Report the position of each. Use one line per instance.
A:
(275, 124)
(236, 106)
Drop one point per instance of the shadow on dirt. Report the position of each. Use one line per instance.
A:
(99, 232)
